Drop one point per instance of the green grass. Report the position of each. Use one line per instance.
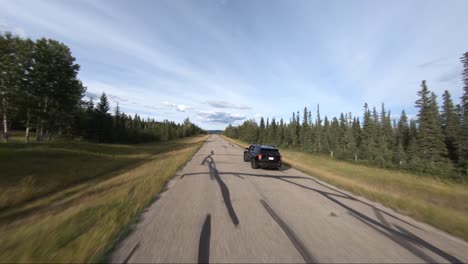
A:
(32, 170)
(70, 201)
(442, 204)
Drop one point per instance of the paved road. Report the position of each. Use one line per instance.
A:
(219, 209)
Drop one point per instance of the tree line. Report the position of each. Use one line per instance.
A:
(41, 93)
(434, 142)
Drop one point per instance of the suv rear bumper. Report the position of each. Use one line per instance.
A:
(269, 164)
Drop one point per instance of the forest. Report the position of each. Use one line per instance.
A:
(41, 94)
(435, 142)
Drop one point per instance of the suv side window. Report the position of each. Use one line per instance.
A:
(257, 149)
(250, 148)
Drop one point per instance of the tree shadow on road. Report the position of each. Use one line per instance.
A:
(407, 240)
(214, 174)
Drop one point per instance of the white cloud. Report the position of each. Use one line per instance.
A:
(15, 30)
(178, 107)
(220, 117)
(224, 104)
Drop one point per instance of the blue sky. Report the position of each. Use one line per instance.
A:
(220, 62)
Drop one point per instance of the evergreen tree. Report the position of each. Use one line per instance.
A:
(318, 132)
(104, 120)
(387, 129)
(349, 141)
(297, 131)
(334, 138)
(463, 135)
(367, 149)
(291, 137)
(450, 126)
(326, 135)
(386, 138)
(341, 136)
(399, 155)
(272, 134)
(103, 106)
(267, 139)
(430, 138)
(414, 160)
(305, 117)
(402, 135)
(117, 124)
(357, 136)
(261, 130)
(281, 132)
(304, 130)
(310, 118)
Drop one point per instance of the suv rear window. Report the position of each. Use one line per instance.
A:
(273, 152)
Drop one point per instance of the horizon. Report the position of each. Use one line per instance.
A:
(211, 61)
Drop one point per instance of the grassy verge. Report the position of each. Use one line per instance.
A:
(440, 204)
(93, 193)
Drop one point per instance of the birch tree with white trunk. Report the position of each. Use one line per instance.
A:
(9, 77)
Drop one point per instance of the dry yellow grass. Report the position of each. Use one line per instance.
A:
(80, 222)
(439, 203)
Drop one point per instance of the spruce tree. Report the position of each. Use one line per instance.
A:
(430, 138)
(104, 121)
(348, 141)
(310, 117)
(273, 132)
(297, 130)
(116, 124)
(387, 129)
(450, 126)
(334, 138)
(402, 135)
(463, 135)
(305, 117)
(304, 130)
(261, 133)
(412, 153)
(341, 136)
(103, 106)
(367, 149)
(318, 140)
(356, 135)
(399, 156)
(268, 140)
(326, 135)
(386, 137)
(401, 141)
(280, 135)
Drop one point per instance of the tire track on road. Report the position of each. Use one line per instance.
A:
(298, 244)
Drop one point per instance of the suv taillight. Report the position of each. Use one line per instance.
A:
(259, 156)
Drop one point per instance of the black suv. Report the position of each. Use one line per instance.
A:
(262, 156)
